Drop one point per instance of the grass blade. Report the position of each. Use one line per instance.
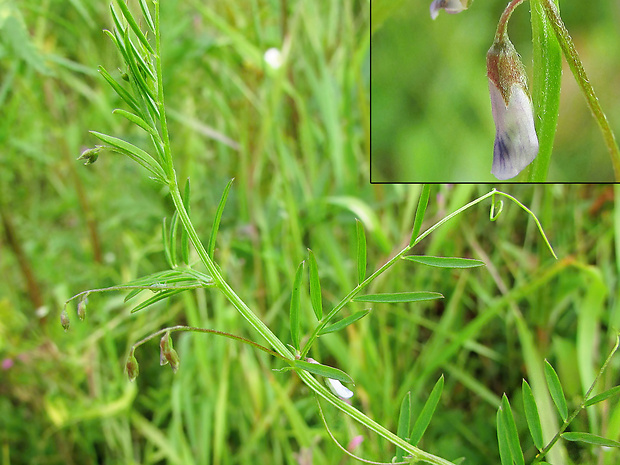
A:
(556, 391)
(166, 242)
(174, 227)
(184, 236)
(361, 250)
(419, 214)
(399, 297)
(315, 286)
(218, 218)
(532, 416)
(427, 412)
(403, 424)
(445, 262)
(296, 306)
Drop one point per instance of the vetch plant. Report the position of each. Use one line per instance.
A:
(145, 98)
(510, 447)
(525, 126)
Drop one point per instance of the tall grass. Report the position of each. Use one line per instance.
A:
(300, 167)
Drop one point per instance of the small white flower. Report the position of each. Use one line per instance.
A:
(338, 388)
(273, 57)
(451, 6)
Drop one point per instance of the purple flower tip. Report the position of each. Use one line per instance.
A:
(7, 363)
(516, 144)
(451, 6)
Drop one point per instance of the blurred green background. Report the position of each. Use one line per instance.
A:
(297, 143)
(431, 110)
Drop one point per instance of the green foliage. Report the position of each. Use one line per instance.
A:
(555, 388)
(532, 416)
(445, 262)
(295, 308)
(361, 251)
(65, 396)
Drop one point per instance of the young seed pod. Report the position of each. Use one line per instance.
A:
(64, 319)
(90, 155)
(516, 143)
(81, 308)
(167, 353)
(133, 370)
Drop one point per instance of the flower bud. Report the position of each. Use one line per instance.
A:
(451, 6)
(81, 308)
(516, 144)
(64, 319)
(167, 353)
(133, 370)
(90, 155)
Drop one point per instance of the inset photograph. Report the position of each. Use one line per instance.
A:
(466, 91)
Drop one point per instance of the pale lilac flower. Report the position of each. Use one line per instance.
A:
(451, 6)
(355, 442)
(516, 144)
(7, 363)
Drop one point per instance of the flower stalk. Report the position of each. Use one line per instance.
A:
(575, 65)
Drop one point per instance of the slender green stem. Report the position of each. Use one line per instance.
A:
(569, 420)
(175, 193)
(416, 453)
(503, 20)
(568, 47)
(325, 321)
(174, 329)
(168, 166)
(220, 282)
